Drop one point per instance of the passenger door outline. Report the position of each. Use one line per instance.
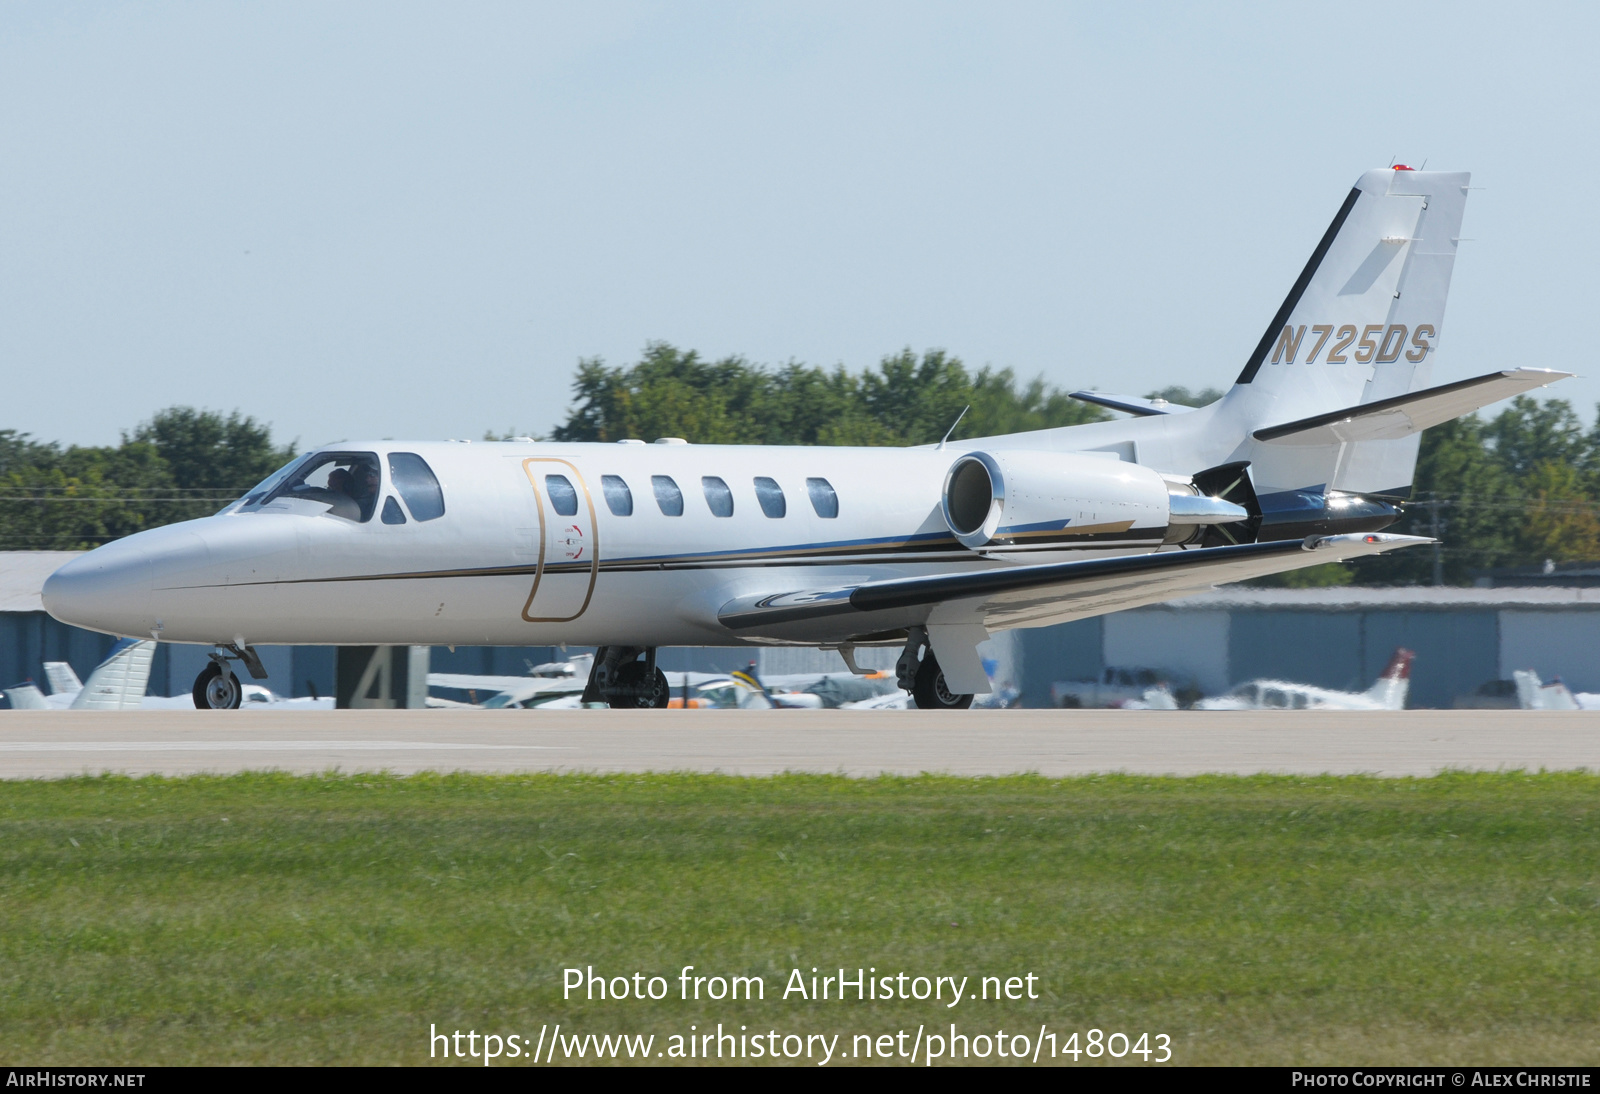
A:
(594, 536)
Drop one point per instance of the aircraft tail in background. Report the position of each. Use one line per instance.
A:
(1394, 682)
(118, 682)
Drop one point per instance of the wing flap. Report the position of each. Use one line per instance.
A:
(1014, 596)
(1403, 415)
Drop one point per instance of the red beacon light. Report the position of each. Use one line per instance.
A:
(1402, 167)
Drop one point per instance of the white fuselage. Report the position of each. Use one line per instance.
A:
(505, 565)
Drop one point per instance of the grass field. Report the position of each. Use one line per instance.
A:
(269, 918)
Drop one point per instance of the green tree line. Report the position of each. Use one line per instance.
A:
(906, 400)
(1511, 489)
(182, 463)
(1515, 489)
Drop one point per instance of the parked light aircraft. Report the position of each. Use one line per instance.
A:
(1535, 694)
(1388, 692)
(117, 683)
(632, 546)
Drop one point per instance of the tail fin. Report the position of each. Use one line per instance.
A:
(753, 693)
(63, 681)
(118, 682)
(1394, 682)
(1361, 323)
(1534, 694)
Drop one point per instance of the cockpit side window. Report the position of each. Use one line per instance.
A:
(347, 483)
(391, 511)
(417, 484)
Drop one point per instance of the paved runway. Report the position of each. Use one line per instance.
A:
(44, 744)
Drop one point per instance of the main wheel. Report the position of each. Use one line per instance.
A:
(640, 692)
(930, 690)
(217, 689)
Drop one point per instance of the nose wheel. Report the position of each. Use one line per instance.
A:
(217, 688)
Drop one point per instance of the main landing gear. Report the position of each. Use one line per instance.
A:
(217, 688)
(625, 681)
(918, 672)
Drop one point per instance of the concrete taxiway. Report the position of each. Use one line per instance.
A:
(47, 744)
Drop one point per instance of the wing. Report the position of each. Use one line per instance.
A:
(1005, 595)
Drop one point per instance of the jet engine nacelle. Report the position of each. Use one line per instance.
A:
(1006, 498)
(1019, 499)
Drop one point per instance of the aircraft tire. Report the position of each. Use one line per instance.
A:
(632, 675)
(214, 690)
(930, 691)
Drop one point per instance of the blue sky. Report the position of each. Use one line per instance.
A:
(411, 220)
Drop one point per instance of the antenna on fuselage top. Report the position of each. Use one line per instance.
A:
(953, 425)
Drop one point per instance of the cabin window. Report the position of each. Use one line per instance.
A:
(340, 484)
(770, 495)
(668, 496)
(416, 482)
(563, 498)
(823, 499)
(391, 511)
(718, 496)
(619, 499)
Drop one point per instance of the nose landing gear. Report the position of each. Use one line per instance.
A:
(217, 688)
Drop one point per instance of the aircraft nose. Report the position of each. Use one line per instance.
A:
(107, 589)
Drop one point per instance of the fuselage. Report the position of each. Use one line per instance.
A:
(588, 544)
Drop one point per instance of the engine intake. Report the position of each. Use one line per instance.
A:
(1040, 501)
(1052, 500)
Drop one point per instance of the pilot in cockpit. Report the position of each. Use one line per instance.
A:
(364, 480)
(341, 495)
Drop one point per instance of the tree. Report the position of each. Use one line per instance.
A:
(181, 464)
(907, 400)
(1184, 397)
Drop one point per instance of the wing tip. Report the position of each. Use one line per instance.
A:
(1373, 542)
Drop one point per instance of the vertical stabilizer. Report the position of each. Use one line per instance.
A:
(63, 681)
(1393, 684)
(118, 682)
(1361, 323)
(26, 697)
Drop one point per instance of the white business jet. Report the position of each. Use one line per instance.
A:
(632, 546)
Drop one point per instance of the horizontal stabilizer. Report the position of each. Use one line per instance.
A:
(1013, 596)
(1130, 404)
(1403, 415)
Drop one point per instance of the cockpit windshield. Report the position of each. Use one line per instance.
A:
(268, 484)
(340, 484)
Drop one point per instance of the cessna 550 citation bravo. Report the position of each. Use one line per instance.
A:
(632, 546)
